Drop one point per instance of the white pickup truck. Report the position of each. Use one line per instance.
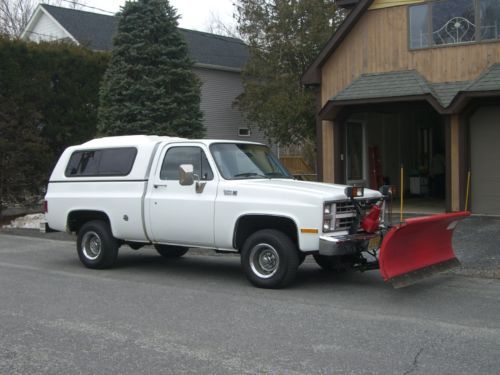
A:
(229, 196)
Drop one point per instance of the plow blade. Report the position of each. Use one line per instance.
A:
(418, 248)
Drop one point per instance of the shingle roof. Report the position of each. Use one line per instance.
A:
(97, 30)
(385, 85)
(488, 81)
(90, 29)
(411, 83)
(446, 92)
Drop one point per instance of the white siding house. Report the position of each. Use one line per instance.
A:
(218, 62)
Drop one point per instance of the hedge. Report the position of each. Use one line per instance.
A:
(49, 94)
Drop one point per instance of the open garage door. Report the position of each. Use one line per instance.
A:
(485, 161)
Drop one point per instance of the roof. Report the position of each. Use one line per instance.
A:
(312, 74)
(407, 84)
(141, 140)
(488, 81)
(385, 85)
(97, 31)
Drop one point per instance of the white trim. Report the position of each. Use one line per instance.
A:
(37, 17)
(249, 133)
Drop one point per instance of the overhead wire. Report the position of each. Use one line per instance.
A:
(87, 6)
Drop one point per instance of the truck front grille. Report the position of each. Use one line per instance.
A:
(345, 213)
(339, 216)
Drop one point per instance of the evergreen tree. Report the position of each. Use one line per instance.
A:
(149, 86)
(284, 36)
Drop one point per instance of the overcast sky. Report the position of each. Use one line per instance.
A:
(195, 14)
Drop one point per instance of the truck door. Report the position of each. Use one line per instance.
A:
(179, 214)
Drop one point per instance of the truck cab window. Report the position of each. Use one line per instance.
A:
(177, 156)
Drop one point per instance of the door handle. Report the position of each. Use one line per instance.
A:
(156, 186)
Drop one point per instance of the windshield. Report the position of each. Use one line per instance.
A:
(238, 161)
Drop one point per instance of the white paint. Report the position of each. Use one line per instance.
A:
(178, 214)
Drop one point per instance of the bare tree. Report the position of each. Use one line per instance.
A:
(219, 27)
(15, 14)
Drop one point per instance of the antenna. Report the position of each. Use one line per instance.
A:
(401, 194)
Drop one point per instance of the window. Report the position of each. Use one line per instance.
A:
(490, 19)
(176, 156)
(241, 161)
(449, 22)
(244, 132)
(419, 26)
(453, 22)
(104, 162)
(354, 133)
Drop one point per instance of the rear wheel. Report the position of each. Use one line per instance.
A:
(168, 251)
(96, 246)
(270, 259)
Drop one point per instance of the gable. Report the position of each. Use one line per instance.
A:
(90, 29)
(44, 27)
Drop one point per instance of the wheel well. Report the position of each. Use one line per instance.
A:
(247, 225)
(77, 218)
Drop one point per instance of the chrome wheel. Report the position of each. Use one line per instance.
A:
(264, 260)
(91, 245)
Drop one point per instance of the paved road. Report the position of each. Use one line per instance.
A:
(199, 315)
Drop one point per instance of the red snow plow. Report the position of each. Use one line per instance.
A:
(418, 248)
(405, 253)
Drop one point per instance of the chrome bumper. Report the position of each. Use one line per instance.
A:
(343, 245)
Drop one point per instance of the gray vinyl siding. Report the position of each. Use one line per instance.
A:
(218, 94)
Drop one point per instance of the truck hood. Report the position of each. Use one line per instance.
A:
(320, 190)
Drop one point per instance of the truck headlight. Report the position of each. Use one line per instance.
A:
(328, 209)
(328, 217)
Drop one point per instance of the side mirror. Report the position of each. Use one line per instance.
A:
(186, 174)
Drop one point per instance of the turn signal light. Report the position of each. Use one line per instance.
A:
(354, 192)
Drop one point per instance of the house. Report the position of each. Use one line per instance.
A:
(413, 83)
(218, 62)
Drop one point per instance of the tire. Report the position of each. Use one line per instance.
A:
(270, 259)
(302, 257)
(96, 246)
(170, 252)
(331, 263)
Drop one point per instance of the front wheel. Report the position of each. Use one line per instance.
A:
(270, 259)
(168, 251)
(96, 246)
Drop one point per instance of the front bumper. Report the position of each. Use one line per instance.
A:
(344, 245)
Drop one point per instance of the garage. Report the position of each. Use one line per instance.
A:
(485, 161)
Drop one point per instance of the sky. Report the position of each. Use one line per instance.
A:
(195, 14)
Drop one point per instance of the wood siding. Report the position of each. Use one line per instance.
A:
(379, 43)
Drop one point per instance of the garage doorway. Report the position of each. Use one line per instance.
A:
(377, 144)
(485, 161)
